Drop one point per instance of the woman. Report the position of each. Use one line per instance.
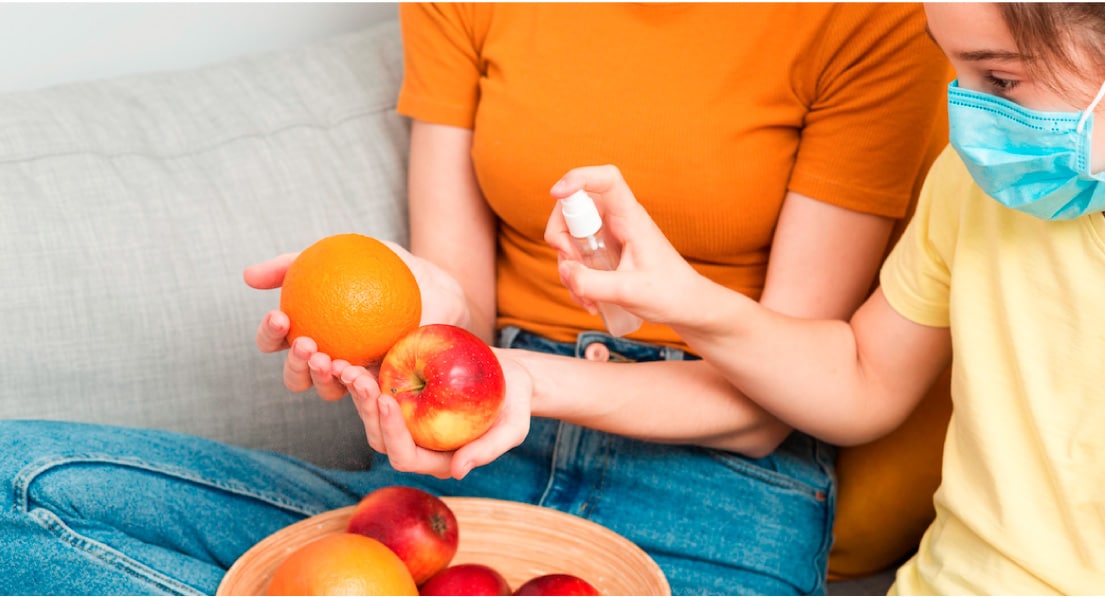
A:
(759, 152)
(1003, 264)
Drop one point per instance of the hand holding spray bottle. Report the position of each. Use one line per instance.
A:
(597, 251)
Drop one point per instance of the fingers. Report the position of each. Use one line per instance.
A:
(272, 333)
(297, 373)
(606, 181)
(564, 268)
(588, 287)
(402, 452)
(505, 434)
(268, 274)
(365, 391)
(387, 433)
(622, 214)
(327, 386)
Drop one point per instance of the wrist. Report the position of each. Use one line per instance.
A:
(711, 310)
(545, 399)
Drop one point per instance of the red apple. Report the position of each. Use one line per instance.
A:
(448, 384)
(466, 579)
(418, 526)
(556, 584)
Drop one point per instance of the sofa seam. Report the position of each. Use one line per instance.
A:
(199, 150)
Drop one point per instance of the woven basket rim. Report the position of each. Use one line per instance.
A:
(520, 540)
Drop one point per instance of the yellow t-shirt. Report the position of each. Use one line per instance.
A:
(711, 111)
(1021, 508)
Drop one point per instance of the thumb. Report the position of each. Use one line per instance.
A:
(268, 274)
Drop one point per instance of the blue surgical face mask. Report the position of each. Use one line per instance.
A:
(1035, 162)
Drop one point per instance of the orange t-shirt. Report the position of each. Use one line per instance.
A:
(711, 111)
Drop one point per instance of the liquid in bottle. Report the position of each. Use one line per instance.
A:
(597, 251)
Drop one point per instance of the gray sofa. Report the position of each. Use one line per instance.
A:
(130, 206)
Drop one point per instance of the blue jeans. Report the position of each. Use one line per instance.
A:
(88, 509)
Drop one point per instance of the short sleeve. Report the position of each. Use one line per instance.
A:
(916, 277)
(441, 61)
(875, 92)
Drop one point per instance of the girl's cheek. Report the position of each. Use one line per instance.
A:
(1097, 149)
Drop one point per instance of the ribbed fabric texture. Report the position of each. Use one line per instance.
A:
(712, 112)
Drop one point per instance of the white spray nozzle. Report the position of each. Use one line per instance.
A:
(580, 214)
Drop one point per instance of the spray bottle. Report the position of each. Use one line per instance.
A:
(598, 251)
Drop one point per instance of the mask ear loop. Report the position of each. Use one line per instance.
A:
(1089, 110)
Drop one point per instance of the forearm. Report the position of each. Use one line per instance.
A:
(816, 375)
(678, 402)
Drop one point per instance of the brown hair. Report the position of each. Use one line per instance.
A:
(1059, 38)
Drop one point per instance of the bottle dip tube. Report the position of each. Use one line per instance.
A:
(597, 251)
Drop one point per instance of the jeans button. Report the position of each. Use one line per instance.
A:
(596, 351)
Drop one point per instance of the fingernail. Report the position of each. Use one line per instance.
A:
(464, 470)
(559, 187)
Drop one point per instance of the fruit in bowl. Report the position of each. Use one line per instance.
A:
(448, 383)
(418, 526)
(466, 579)
(556, 584)
(518, 540)
(342, 564)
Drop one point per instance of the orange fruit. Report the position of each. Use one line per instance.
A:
(342, 564)
(352, 295)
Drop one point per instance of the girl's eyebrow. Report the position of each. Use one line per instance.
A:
(980, 55)
(977, 55)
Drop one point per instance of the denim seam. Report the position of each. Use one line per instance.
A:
(25, 478)
(48, 520)
(553, 457)
(115, 559)
(595, 498)
(739, 465)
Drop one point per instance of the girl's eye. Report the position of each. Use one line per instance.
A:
(1001, 85)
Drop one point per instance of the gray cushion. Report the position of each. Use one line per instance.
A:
(129, 207)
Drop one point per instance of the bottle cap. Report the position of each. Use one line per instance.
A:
(580, 214)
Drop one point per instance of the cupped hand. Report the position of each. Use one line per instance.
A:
(652, 274)
(443, 301)
(443, 298)
(387, 431)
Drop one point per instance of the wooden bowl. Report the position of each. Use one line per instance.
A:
(521, 541)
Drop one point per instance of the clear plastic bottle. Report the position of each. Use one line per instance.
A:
(597, 251)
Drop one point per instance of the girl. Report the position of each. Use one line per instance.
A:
(1003, 263)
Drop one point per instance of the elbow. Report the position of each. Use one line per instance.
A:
(861, 429)
(755, 443)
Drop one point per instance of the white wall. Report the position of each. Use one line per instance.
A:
(46, 44)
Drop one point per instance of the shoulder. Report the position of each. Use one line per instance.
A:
(949, 187)
(459, 18)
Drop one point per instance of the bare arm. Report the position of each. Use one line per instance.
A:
(451, 224)
(845, 382)
(823, 262)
